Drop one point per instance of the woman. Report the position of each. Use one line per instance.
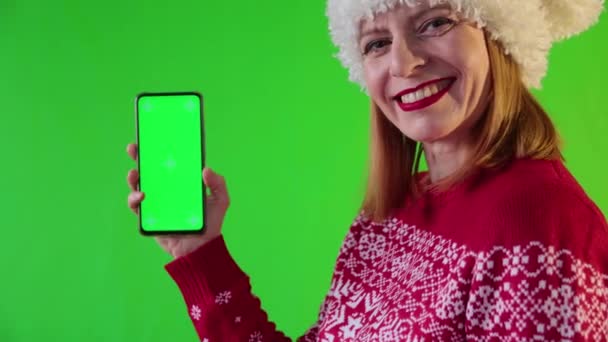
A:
(497, 241)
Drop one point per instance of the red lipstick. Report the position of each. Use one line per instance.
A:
(427, 101)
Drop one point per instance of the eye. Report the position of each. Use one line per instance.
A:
(436, 26)
(375, 45)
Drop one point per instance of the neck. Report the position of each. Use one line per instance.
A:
(445, 158)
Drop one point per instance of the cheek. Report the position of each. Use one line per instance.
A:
(476, 63)
(474, 72)
(467, 53)
(375, 79)
(478, 73)
(372, 77)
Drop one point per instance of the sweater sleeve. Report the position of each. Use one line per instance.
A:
(218, 296)
(545, 276)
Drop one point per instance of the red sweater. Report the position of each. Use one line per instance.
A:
(517, 254)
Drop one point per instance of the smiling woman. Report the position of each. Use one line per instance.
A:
(474, 104)
(496, 242)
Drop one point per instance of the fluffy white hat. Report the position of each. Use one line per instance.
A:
(526, 28)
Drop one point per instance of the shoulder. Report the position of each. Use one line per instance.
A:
(545, 188)
(534, 186)
(540, 201)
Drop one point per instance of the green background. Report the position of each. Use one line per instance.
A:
(283, 125)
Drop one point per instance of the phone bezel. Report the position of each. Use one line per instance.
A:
(202, 130)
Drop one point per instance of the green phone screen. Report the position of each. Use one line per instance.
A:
(170, 159)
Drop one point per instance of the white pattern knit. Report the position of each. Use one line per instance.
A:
(512, 254)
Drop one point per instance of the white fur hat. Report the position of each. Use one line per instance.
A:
(526, 28)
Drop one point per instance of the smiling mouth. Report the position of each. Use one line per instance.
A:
(425, 95)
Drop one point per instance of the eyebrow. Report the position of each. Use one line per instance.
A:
(376, 29)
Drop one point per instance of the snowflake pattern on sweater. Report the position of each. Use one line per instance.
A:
(521, 257)
(395, 282)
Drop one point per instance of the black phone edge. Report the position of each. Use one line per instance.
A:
(172, 232)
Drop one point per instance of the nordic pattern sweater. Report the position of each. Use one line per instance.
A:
(512, 254)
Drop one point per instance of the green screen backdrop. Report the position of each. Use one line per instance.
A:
(283, 125)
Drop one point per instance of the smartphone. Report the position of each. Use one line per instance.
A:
(171, 157)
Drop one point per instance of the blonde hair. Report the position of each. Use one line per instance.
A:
(514, 126)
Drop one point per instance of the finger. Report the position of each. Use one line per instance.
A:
(132, 179)
(217, 184)
(132, 151)
(134, 200)
(208, 179)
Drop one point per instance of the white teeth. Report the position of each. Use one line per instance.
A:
(427, 91)
(424, 92)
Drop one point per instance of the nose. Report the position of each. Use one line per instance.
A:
(405, 58)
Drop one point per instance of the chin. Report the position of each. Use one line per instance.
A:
(426, 135)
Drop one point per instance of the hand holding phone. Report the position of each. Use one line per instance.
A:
(216, 203)
(170, 155)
